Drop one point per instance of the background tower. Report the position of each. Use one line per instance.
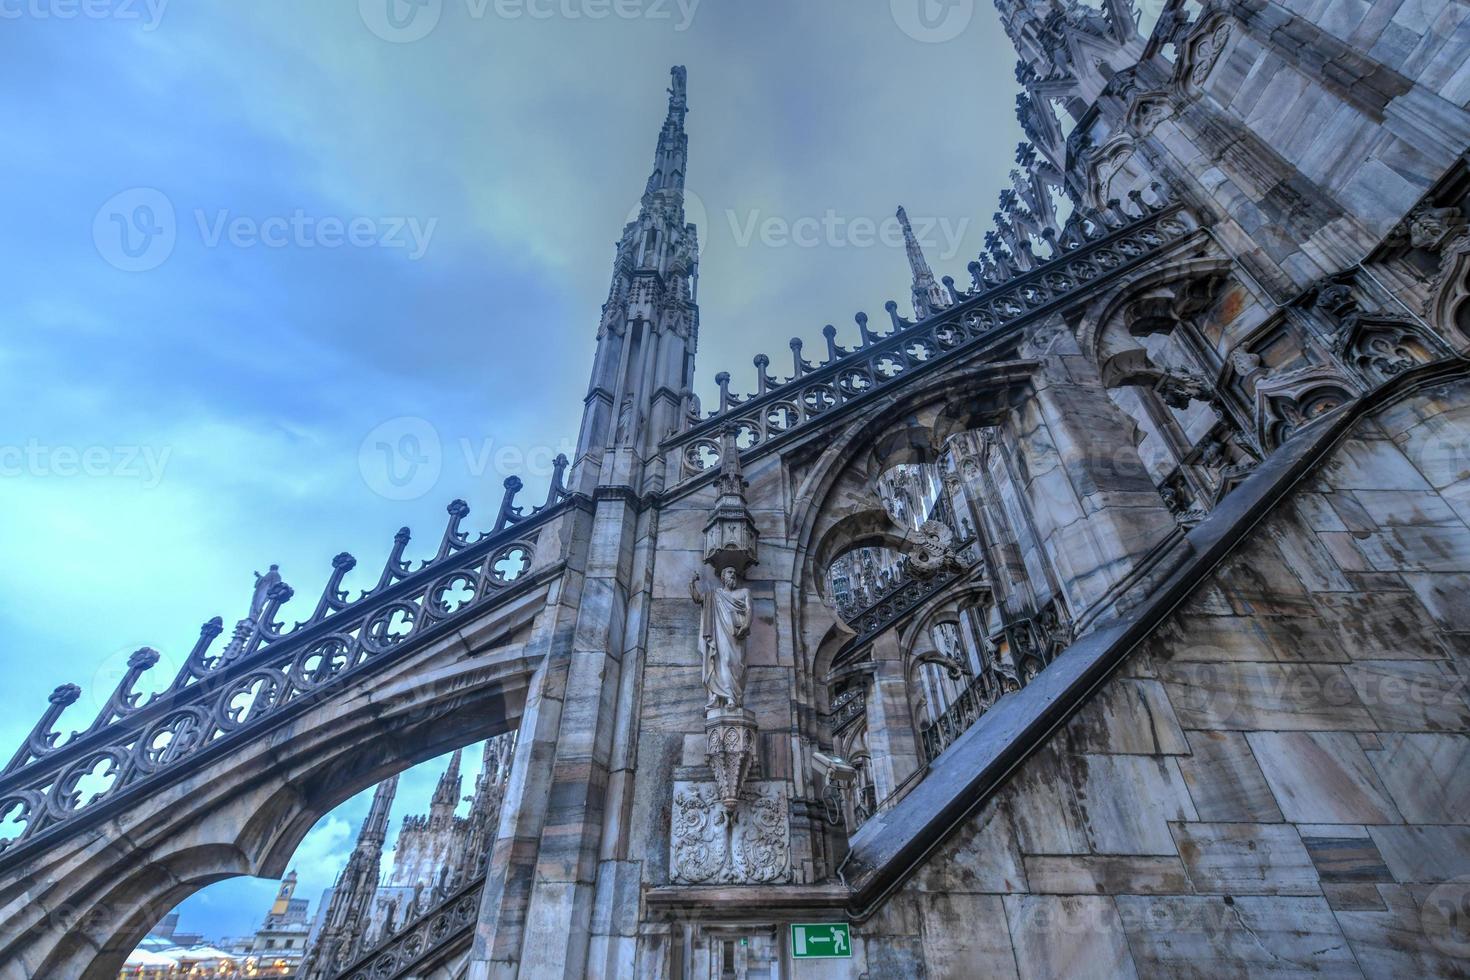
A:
(347, 914)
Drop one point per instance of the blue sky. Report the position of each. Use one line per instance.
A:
(181, 409)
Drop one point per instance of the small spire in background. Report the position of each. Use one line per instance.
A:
(929, 296)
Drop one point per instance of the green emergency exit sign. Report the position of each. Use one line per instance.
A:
(822, 940)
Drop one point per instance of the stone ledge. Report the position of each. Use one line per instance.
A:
(748, 901)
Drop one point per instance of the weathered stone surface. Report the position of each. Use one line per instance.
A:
(1128, 801)
(983, 858)
(1105, 875)
(1428, 776)
(1235, 937)
(1245, 859)
(1130, 717)
(1424, 853)
(1345, 859)
(966, 936)
(1412, 696)
(1261, 696)
(1224, 779)
(1044, 806)
(1394, 943)
(1322, 777)
(1095, 945)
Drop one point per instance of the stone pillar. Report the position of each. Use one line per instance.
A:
(1095, 509)
(892, 738)
(536, 916)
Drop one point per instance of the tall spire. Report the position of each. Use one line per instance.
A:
(671, 159)
(446, 794)
(374, 830)
(642, 375)
(929, 296)
(345, 921)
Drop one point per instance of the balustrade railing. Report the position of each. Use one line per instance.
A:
(265, 669)
(908, 592)
(1030, 646)
(847, 708)
(1090, 250)
(423, 940)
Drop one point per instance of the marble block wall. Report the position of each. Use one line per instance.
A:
(1276, 783)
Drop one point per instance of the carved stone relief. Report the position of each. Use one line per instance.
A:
(712, 845)
(1207, 51)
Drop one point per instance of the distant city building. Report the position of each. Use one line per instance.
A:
(280, 943)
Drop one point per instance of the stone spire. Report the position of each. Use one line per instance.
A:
(345, 921)
(446, 794)
(375, 828)
(641, 386)
(929, 296)
(489, 796)
(671, 158)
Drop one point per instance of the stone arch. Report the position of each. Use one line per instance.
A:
(815, 500)
(909, 443)
(1290, 401)
(864, 529)
(1109, 308)
(1110, 174)
(1159, 365)
(83, 905)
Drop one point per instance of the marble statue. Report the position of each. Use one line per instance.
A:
(263, 585)
(723, 628)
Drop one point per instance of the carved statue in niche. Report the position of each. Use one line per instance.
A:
(627, 421)
(724, 625)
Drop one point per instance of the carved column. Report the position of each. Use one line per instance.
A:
(1096, 511)
(892, 735)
